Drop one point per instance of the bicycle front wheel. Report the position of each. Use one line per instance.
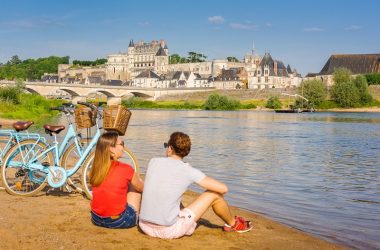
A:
(20, 180)
(128, 158)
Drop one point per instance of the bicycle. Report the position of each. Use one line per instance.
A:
(10, 137)
(37, 162)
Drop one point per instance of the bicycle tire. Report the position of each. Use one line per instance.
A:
(68, 161)
(128, 158)
(19, 180)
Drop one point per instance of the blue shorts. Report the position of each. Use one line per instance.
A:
(127, 219)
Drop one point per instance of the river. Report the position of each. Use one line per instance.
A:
(318, 172)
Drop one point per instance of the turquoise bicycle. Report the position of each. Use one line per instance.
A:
(9, 137)
(29, 166)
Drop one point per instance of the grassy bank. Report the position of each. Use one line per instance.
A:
(28, 107)
(213, 102)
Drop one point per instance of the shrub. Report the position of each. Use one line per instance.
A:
(10, 94)
(273, 103)
(313, 90)
(218, 102)
(373, 78)
(345, 94)
(362, 86)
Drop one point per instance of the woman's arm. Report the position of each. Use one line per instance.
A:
(213, 185)
(137, 182)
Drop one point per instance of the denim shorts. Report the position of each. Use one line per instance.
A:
(127, 219)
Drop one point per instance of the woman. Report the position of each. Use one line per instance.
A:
(116, 187)
(166, 180)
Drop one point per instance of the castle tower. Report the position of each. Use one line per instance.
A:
(161, 60)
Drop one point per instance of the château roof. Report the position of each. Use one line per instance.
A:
(356, 63)
(161, 52)
(131, 44)
(147, 74)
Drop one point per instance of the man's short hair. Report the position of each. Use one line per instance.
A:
(180, 143)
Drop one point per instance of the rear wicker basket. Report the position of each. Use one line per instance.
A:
(116, 118)
(85, 117)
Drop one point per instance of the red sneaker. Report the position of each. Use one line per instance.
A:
(241, 226)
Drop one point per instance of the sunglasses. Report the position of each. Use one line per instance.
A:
(121, 144)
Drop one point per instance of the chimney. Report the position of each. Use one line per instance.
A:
(275, 68)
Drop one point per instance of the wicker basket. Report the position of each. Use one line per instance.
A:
(85, 117)
(116, 118)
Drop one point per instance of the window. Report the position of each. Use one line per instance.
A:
(266, 79)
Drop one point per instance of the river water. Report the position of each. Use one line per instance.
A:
(318, 172)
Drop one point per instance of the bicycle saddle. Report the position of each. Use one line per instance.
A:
(49, 129)
(20, 125)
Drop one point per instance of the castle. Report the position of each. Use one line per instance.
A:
(132, 68)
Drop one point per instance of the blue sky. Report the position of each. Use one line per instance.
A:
(300, 33)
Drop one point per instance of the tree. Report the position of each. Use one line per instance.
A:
(345, 94)
(373, 78)
(196, 57)
(313, 90)
(362, 86)
(14, 60)
(341, 75)
(232, 59)
(348, 91)
(174, 59)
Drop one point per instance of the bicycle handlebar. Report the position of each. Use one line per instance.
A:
(90, 105)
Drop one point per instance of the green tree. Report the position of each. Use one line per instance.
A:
(232, 59)
(174, 59)
(196, 57)
(313, 90)
(342, 75)
(219, 102)
(14, 60)
(373, 78)
(362, 86)
(345, 94)
(273, 103)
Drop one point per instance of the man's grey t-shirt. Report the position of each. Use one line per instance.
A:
(165, 182)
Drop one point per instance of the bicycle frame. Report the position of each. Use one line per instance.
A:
(34, 163)
(15, 137)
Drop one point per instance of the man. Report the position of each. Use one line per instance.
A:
(166, 181)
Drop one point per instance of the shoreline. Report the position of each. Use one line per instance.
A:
(61, 220)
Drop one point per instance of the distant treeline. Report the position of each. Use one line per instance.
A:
(33, 69)
(30, 69)
(90, 63)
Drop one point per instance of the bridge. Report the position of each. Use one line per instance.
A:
(80, 92)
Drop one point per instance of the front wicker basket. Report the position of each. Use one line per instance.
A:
(116, 118)
(85, 117)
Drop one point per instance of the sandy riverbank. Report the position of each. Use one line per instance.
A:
(61, 221)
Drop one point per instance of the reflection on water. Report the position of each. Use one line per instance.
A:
(318, 172)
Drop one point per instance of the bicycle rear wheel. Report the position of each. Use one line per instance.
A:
(128, 158)
(20, 180)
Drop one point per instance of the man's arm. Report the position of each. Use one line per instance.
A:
(213, 185)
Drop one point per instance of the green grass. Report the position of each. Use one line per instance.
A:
(136, 102)
(31, 107)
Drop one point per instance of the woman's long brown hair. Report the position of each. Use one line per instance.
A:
(102, 161)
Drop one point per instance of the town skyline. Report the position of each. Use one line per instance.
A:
(301, 34)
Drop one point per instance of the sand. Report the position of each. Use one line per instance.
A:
(60, 220)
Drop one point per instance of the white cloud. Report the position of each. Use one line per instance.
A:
(33, 23)
(353, 27)
(313, 29)
(241, 26)
(146, 23)
(216, 19)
